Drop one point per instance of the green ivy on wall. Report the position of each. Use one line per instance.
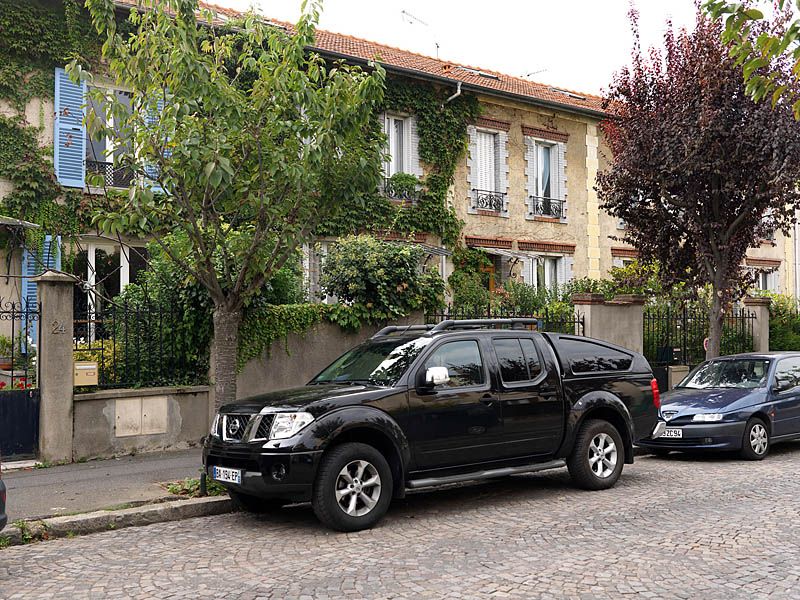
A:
(34, 39)
(442, 129)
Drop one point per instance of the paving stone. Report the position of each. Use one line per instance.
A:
(682, 527)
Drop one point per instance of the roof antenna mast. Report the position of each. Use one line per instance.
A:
(407, 17)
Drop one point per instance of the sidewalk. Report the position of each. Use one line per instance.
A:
(93, 485)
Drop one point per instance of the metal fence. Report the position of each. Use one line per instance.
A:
(137, 346)
(554, 321)
(675, 335)
(19, 335)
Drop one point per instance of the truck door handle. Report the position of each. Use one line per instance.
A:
(488, 399)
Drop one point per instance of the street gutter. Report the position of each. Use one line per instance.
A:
(34, 530)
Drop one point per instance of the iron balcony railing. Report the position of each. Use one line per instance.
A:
(401, 193)
(547, 207)
(489, 200)
(113, 176)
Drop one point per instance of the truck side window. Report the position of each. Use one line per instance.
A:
(513, 366)
(588, 357)
(531, 357)
(463, 362)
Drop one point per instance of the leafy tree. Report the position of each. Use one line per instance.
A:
(242, 140)
(700, 172)
(766, 49)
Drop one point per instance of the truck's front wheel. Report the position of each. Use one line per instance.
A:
(353, 487)
(597, 457)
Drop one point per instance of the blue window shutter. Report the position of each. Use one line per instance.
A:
(70, 132)
(33, 265)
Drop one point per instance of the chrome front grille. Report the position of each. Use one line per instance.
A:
(234, 427)
(264, 426)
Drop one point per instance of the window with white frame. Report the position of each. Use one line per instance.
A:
(102, 154)
(767, 280)
(546, 178)
(550, 272)
(488, 171)
(402, 145)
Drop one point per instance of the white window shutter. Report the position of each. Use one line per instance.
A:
(569, 263)
(472, 167)
(561, 177)
(487, 166)
(617, 262)
(561, 272)
(530, 176)
(501, 167)
(69, 152)
(414, 166)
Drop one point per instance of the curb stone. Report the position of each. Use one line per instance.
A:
(105, 520)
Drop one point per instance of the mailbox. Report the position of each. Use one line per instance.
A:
(86, 373)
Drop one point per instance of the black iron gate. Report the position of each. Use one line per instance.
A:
(19, 381)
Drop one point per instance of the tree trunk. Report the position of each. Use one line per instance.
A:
(223, 354)
(716, 315)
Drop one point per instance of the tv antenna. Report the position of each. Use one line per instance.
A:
(410, 19)
(526, 75)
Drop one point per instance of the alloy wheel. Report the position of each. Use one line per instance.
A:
(758, 439)
(358, 488)
(602, 455)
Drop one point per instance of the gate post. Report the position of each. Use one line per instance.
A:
(760, 307)
(56, 371)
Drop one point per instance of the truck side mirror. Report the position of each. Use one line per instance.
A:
(427, 380)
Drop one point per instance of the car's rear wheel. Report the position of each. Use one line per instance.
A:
(755, 441)
(353, 488)
(597, 457)
(254, 504)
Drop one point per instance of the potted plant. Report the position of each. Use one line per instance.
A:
(5, 353)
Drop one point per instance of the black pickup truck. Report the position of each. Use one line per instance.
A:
(418, 407)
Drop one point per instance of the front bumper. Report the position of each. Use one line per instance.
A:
(284, 475)
(700, 436)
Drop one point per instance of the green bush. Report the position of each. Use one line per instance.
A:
(784, 323)
(379, 280)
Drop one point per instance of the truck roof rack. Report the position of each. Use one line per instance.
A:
(401, 329)
(514, 323)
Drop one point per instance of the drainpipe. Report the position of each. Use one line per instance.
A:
(454, 96)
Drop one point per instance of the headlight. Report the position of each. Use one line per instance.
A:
(286, 425)
(707, 418)
(215, 425)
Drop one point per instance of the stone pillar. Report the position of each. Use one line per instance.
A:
(675, 374)
(619, 321)
(56, 371)
(760, 307)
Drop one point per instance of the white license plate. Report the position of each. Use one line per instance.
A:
(672, 433)
(228, 475)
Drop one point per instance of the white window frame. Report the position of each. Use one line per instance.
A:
(562, 270)
(110, 157)
(501, 168)
(397, 164)
(558, 174)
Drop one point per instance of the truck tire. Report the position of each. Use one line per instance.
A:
(755, 440)
(597, 456)
(254, 504)
(353, 488)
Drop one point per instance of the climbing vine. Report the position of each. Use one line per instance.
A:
(34, 39)
(442, 129)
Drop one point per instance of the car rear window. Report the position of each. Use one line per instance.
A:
(583, 356)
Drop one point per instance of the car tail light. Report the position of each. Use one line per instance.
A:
(656, 393)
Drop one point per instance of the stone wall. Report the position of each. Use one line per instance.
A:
(113, 422)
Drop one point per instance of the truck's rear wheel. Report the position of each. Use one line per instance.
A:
(353, 488)
(597, 457)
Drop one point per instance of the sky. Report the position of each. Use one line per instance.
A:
(573, 44)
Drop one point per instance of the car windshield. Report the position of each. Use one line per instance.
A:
(737, 373)
(380, 362)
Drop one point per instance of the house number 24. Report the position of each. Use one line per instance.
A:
(58, 327)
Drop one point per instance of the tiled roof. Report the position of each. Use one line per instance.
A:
(474, 78)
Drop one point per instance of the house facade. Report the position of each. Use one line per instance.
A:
(524, 188)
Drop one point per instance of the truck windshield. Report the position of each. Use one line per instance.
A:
(380, 362)
(749, 373)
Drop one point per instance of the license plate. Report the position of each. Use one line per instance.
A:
(672, 433)
(227, 475)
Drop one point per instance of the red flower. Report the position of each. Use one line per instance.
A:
(2, 384)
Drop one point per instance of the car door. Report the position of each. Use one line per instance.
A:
(459, 422)
(530, 401)
(786, 404)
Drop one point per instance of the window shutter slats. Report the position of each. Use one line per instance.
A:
(69, 153)
(152, 171)
(561, 177)
(414, 166)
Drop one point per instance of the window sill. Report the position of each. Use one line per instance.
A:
(490, 213)
(543, 219)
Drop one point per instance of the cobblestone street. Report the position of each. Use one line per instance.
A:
(677, 527)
